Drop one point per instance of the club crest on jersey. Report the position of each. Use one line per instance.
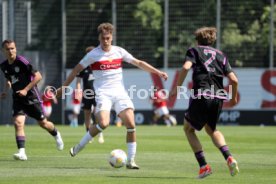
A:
(110, 60)
(16, 69)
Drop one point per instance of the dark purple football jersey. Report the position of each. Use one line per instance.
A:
(209, 67)
(20, 73)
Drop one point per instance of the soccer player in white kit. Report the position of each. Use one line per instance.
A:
(106, 63)
(161, 110)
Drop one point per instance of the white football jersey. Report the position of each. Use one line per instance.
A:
(107, 67)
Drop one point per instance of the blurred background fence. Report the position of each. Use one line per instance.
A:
(54, 33)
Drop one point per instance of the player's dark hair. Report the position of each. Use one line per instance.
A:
(105, 28)
(206, 35)
(7, 41)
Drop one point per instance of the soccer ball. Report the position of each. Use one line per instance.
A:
(117, 158)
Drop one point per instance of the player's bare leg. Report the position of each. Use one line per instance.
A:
(219, 141)
(100, 134)
(95, 129)
(192, 137)
(127, 117)
(196, 146)
(50, 127)
(87, 118)
(19, 122)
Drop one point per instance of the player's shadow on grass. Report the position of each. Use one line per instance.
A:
(157, 177)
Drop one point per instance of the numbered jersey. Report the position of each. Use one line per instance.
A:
(209, 67)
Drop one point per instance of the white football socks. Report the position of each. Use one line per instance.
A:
(85, 139)
(131, 150)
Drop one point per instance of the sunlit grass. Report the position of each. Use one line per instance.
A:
(162, 153)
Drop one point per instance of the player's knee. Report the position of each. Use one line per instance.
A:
(18, 125)
(101, 127)
(187, 128)
(209, 130)
(43, 123)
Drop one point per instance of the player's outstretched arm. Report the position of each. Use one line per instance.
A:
(182, 76)
(183, 73)
(147, 67)
(77, 69)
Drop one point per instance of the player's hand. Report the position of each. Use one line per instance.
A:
(233, 101)
(164, 75)
(3, 95)
(22, 92)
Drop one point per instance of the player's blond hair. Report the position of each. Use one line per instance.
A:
(105, 28)
(206, 35)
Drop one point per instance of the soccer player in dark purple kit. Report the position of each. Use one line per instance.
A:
(209, 67)
(23, 78)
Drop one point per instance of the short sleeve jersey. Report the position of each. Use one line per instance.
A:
(87, 78)
(209, 67)
(107, 67)
(20, 73)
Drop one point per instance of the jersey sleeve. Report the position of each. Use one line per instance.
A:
(127, 57)
(31, 69)
(227, 67)
(190, 55)
(27, 65)
(87, 59)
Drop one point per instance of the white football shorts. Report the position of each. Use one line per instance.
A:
(118, 102)
(161, 111)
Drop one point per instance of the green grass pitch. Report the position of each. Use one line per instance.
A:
(163, 155)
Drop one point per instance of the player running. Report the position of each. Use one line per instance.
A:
(209, 67)
(22, 77)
